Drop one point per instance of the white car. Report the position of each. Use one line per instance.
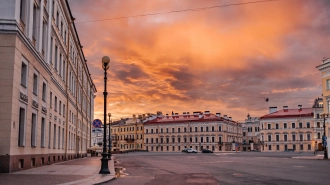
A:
(190, 150)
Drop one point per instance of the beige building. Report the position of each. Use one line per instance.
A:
(251, 134)
(198, 130)
(292, 129)
(46, 92)
(127, 134)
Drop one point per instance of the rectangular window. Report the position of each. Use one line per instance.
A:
(301, 137)
(43, 132)
(300, 125)
(308, 137)
(220, 139)
(50, 99)
(285, 125)
(244, 134)
(49, 134)
(207, 129)
(64, 71)
(62, 138)
(285, 147)
(35, 84)
(293, 137)
(277, 147)
(53, 8)
(60, 108)
(309, 147)
(268, 126)
(276, 126)
(219, 128)
(35, 24)
(328, 84)
(308, 125)
(179, 130)
(57, 18)
(293, 125)
(196, 129)
(166, 130)
(21, 127)
(60, 68)
(55, 65)
(202, 139)
(44, 91)
(172, 130)
(44, 37)
(51, 50)
(202, 128)
(294, 147)
(63, 110)
(269, 138)
(59, 138)
(54, 139)
(146, 132)
(196, 139)
(285, 137)
(277, 137)
(22, 12)
(55, 103)
(34, 130)
(269, 147)
(301, 147)
(24, 75)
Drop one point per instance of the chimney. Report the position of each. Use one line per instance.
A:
(206, 112)
(218, 114)
(143, 116)
(285, 108)
(134, 117)
(299, 106)
(166, 114)
(230, 119)
(225, 116)
(176, 114)
(188, 113)
(272, 109)
(184, 113)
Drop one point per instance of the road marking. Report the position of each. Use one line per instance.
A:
(225, 154)
(298, 166)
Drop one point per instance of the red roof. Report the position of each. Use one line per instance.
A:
(303, 112)
(187, 118)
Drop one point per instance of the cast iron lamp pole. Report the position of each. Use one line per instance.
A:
(110, 142)
(104, 160)
(324, 115)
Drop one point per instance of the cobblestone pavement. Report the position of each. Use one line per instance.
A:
(221, 168)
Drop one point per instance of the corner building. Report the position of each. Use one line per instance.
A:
(198, 131)
(46, 92)
(297, 129)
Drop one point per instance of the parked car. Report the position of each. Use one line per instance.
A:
(206, 150)
(190, 150)
(185, 150)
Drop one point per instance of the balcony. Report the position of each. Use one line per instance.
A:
(129, 140)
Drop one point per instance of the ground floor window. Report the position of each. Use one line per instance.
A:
(294, 147)
(277, 147)
(269, 147)
(172, 148)
(285, 147)
(309, 147)
(213, 148)
(179, 148)
(196, 147)
(220, 148)
(146, 148)
(166, 148)
(201, 148)
(161, 148)
(301, 147)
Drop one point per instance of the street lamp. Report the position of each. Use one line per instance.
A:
(109, 156)
(104, 160)
(324, 140)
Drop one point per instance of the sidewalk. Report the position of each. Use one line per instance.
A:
(79, 171)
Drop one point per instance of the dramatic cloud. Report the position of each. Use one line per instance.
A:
(224, 60)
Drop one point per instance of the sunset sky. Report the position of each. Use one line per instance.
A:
(223, 60)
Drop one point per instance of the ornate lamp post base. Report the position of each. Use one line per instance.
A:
(104, 164)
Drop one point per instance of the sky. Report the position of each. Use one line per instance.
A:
(224, 59)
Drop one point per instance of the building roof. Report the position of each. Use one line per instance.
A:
(303, 112)
(188, 118)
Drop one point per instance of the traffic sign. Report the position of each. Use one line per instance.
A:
(97, 123)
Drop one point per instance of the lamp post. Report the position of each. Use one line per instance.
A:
(109, 156)
(324, 140)
(104, 160)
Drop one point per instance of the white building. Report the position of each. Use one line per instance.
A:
(46, 92)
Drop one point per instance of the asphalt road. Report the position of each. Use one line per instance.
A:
(221, 168)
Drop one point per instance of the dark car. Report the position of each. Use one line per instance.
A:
(206, 150)
(185, 150)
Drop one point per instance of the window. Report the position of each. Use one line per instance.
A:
(35, 84)
(285, 147)
(147, 132)
(43, 132)
(53, 8)
(277, 137)
(152, 131)
(269, 138)
(285, 125)
(60, 68)
(220, 139)
(293, 125)
(54, 139)
(63, 110)
(219, 128)
(173, 140)
(24, 74)
(59, 138)
(212, 139)
(44, 36)
(21, 127)
(166, 130)
(51, 99)
(44, 92)
(49, 134)
(243, 133)
(179, 130)
(22, 12)
(309, 147)
(202, 128)
(55, 65)
(202, 139)
(301, 147)
(34, 130)
(293, 137)
(318, 124)
(35, 23)
(268, 126)
(328, 84)
(308, 125)
(196, 129)
(301, 137)
(294, 147)
(63, 70)
(57, 18)
(285, 137)
(276, 126)
(61, 28)
(277, 147)
(269, 147)
(207, 129)
(55, 103)
(212, 128)
(300, 125)
(184, 129)
(318, 135)
(60, 108)
(190, 129)
(172, 130)
(196, 139)
(161, 130)
(308, 136)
